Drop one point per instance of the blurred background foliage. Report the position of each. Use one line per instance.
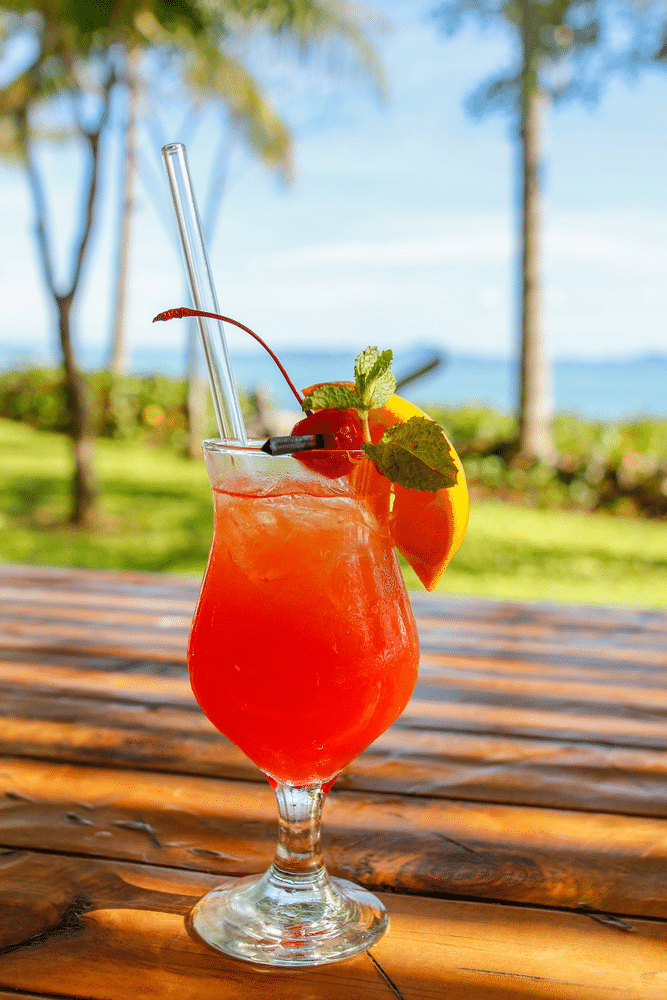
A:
(615, 468)
(156, 514)
(77, 71)
(64, 64)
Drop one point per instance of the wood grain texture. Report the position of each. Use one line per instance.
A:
(432, 847)
(49, 725)
(24, 995)
(472, 737)
(527, 776)
(447, 624)
(463, 710)
(120, 930)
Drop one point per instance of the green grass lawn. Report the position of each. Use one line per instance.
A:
(156, 515)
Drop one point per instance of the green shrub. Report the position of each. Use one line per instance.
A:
(615, 468)
(149, 408)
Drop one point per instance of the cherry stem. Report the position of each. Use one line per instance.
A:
(365, 427)
(182, 312)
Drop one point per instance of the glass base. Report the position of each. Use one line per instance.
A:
(281, 919)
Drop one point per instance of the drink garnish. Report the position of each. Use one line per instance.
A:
(430, 508)
(414, 453)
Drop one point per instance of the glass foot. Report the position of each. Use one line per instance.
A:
(280, 919)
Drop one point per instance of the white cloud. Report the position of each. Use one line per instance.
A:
(491, 297)
(603, 250)
(440, 250)
(598, 249)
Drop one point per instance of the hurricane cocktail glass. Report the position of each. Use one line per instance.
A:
(303, 650)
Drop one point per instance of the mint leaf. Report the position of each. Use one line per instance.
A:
(380, 390)
(374, 381)
(369, 365)
(332, 397)
(416, 455)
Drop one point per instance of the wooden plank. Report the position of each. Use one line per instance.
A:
(564, 617)
(74, 661)
(61, 610)
(490, 768)
(519, 648)
(509, 719)
(161, 585)
(450, 765)
(57, 610)
(631, 694)
(12, 995)
(70, 598)
(434, 667)
(450, 608)
(96, 640)
(444, 619)
(21, 623)
(635, 693)
(120, 930)
(507, 953)
(424, 846)
(632, 722)
(633, 701)
(533, 628)
(433, 664)
(26, 681)
(152, 722)
(643, 694)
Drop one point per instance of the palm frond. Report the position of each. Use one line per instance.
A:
(222, 77)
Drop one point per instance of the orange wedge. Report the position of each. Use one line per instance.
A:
(426, 528)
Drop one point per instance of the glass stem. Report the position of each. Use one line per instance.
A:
(300, 809)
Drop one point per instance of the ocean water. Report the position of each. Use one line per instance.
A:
(610, 390)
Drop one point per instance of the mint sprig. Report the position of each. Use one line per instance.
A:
(415, 454)
(374, 384)
(374, 380)
(331, 397)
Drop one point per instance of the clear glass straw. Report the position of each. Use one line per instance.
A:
(198, 270)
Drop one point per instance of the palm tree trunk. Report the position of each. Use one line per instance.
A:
(118, 361)
(535, 405)
(84, 484)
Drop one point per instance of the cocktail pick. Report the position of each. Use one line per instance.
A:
(291, 444)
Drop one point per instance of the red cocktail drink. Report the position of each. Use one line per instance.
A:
(303, 650)
(303, 647)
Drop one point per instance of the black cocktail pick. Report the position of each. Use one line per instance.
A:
(288, 445)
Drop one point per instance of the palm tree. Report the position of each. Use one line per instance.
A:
(118, 360)
(563, 49)
(82, 56)
(245, 116)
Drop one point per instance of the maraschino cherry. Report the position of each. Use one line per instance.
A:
(341, 429)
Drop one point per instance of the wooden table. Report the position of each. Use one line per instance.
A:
(514, 820)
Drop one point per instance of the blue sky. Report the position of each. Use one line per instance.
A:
(399, 228)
